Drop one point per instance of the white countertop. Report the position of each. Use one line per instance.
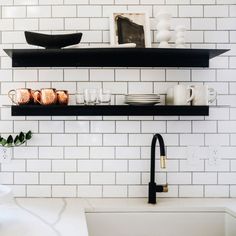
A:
(66, 216)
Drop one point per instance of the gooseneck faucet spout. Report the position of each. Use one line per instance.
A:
(153, 187)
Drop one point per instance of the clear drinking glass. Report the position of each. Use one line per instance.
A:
(79, 98)
(104, 96)
(90, 96)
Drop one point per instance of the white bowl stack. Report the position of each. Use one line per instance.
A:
(142, 99)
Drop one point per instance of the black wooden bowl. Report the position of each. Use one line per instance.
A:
(52, 41)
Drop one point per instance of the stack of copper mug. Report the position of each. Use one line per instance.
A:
(45, 96)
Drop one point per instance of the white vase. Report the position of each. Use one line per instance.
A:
(180, 36)
(5, 154)
(163, 29)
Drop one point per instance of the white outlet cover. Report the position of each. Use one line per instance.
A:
(5, 154)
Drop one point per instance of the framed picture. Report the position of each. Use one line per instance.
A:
(130, 27)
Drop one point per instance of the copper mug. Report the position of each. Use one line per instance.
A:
(62, 97)
(20, 96)
(36, 96)
(47, 96)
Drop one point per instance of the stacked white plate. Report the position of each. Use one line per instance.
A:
(142, 99)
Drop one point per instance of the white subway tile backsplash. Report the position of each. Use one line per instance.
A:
(38, 191)
(115, 139)
(103, 178)
(95, 156)
(26, 178)
(51, 178)
(63, 191)
(14, 12)
(190, 191)
(216, 191)
(115, 165)
(38, 11)
(76, 178)
(63, 165)
(39, 165)
(64, 11)
(64, 139)
(179, 178)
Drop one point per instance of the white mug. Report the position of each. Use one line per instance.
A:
(183, 94)
(203, 95)
(170, 96)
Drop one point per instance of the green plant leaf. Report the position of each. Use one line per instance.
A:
(21, 137)
(16, 140)
(28, 135)
(3, 142)
(9, 139)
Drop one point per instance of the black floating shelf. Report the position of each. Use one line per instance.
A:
(116, 110)
(113, 57)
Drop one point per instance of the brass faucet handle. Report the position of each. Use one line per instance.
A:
(165, 188)
(163, 162)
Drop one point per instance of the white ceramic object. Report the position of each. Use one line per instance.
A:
(170, 96)
(203, 95)
(6, 195)
(180, 36)
(5, 154)
(163, 29)
(182, 94)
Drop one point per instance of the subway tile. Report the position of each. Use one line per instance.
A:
(190, 11)
(179, 178)
(89, 11)
(102, 152)
(38, 11)
(14, 12)
(216, 191)
(128, 178)
(76, 126)
(90, 191)
(63, 165)
(50, 152)
(115, 191)
(190, 191)
(89, 165)
(216, 11)
(153, 126)
(51, 24)
(26, 178)
(38, 191)
(51, 178)
(63, 11)
(76, 152)
(115, 165)
(89, 139)
(204, 178)
(76, 178)
(182, 127)
(64, 191)
(64, 139)
(115, 139)
(127, 126)
(102, 178)
(127, 75)
(102, 126)
(39, 165)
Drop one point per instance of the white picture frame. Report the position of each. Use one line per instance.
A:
(140, 18)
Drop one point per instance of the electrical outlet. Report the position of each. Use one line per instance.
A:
(192, 154)
(214, 155)
(5, 154)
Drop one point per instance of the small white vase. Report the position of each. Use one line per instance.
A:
(163, 29)
(5, 154)
(180, 36)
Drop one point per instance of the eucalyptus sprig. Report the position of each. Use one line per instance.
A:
(20, 139)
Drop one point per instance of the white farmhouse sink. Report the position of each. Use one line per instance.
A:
(5, 194)
(161, 223)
